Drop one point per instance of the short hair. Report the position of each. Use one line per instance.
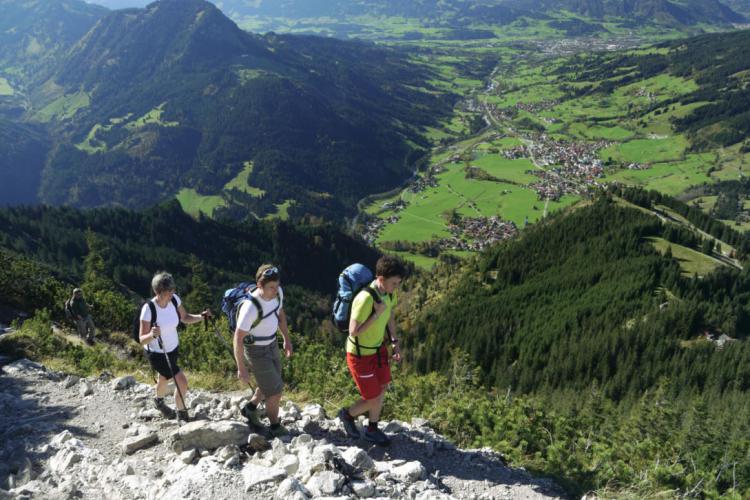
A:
(389, 266)
(162, 282)
(261, 277)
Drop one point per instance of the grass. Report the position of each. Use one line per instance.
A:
(691, 261)
(64, 107)
(282, 211)
(5, 88)
(241, 182)
(152, 117)
(671, 177)
(510, 170)
(194, 203)
(647, 150)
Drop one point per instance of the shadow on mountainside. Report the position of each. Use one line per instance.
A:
(28, 422)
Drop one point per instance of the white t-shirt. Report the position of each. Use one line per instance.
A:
(267, 327)
(167, 319)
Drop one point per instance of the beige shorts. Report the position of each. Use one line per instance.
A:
(265, 364)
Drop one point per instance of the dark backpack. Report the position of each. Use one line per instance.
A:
(233, 299)
(136, 331)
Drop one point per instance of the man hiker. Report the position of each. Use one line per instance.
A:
(367, 347)
(80, 310)
(259, 320)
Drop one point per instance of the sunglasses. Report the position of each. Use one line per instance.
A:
(271, 271)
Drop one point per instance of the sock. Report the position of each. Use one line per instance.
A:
(251, 407)
(372, 426)
(276, 425)
(348, 416)
(159, 401)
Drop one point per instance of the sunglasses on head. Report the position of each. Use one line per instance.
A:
(271, 271)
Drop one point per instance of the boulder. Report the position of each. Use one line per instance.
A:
(409, 472)
(60, 439)
(363, 489)
(394, 427)
(209, 435)
(122, 383)
(325, 483)
(254, 475)
(420, 422)
(85, 388)
(188, 456)
(290, 463)
(357, 457)
(291, 489)
(314, 411)
(70, 381)
(64, 460)
(132, 444)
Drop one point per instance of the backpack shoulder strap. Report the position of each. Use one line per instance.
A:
(258, 308)
(152, 308)
(176, 308)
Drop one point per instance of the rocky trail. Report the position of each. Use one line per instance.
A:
(64, 437)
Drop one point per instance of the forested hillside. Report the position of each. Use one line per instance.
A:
(176, 97)
(585, 300)
(206, 256)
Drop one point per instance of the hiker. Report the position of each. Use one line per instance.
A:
(257, 342)
(160, 340)
(367, 348)
(80, 311)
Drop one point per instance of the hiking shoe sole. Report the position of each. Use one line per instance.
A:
(349, 425)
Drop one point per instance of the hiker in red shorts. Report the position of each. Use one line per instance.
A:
(367, 347)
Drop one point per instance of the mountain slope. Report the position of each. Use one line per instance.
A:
(23, 150)
(35, 32)
(175, 96)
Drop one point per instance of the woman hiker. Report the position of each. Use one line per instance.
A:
(255, 340)
(160, 317)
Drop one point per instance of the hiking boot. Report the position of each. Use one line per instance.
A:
(279, 431)
(252, 416)
(378, 437)
(165, 410)
(183, 416)
(349, 425)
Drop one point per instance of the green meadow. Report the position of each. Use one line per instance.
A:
(194, 203)
(691, 261)
(5, 88)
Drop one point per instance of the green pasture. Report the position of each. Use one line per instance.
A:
(5, 87)
(63, 107)
(583, 130)
(671, 178)
(510, 170)
(282, 211)
(647, 150)
(241, 182)
(195, 204)
(691, 261)
(152, 117)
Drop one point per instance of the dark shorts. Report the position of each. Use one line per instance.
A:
(159, 363)
(370, 373)
(265, 364)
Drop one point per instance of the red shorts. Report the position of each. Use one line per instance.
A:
(369, 375)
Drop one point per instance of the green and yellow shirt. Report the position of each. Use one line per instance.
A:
(371, 339)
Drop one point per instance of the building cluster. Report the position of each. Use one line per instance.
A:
(477, 233)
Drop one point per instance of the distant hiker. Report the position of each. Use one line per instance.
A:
(159, 318)
(367, 347)
(79, 310)
(259, 318)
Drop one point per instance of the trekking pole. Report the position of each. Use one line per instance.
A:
(171, 371)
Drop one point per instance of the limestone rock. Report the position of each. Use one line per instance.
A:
(122, 383)
(254, 475)
(85, 388)
(209, 435)
(132, 444)
(290, 463)
(364, 489)
(64, 459)
(70, 381)
(409, 472)
(256, 442)
(357, 457)
(314, 411)
(291, 489)
(325, 483)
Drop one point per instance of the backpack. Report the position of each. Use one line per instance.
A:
(352, 280)
(233, 299)
(136, 331)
